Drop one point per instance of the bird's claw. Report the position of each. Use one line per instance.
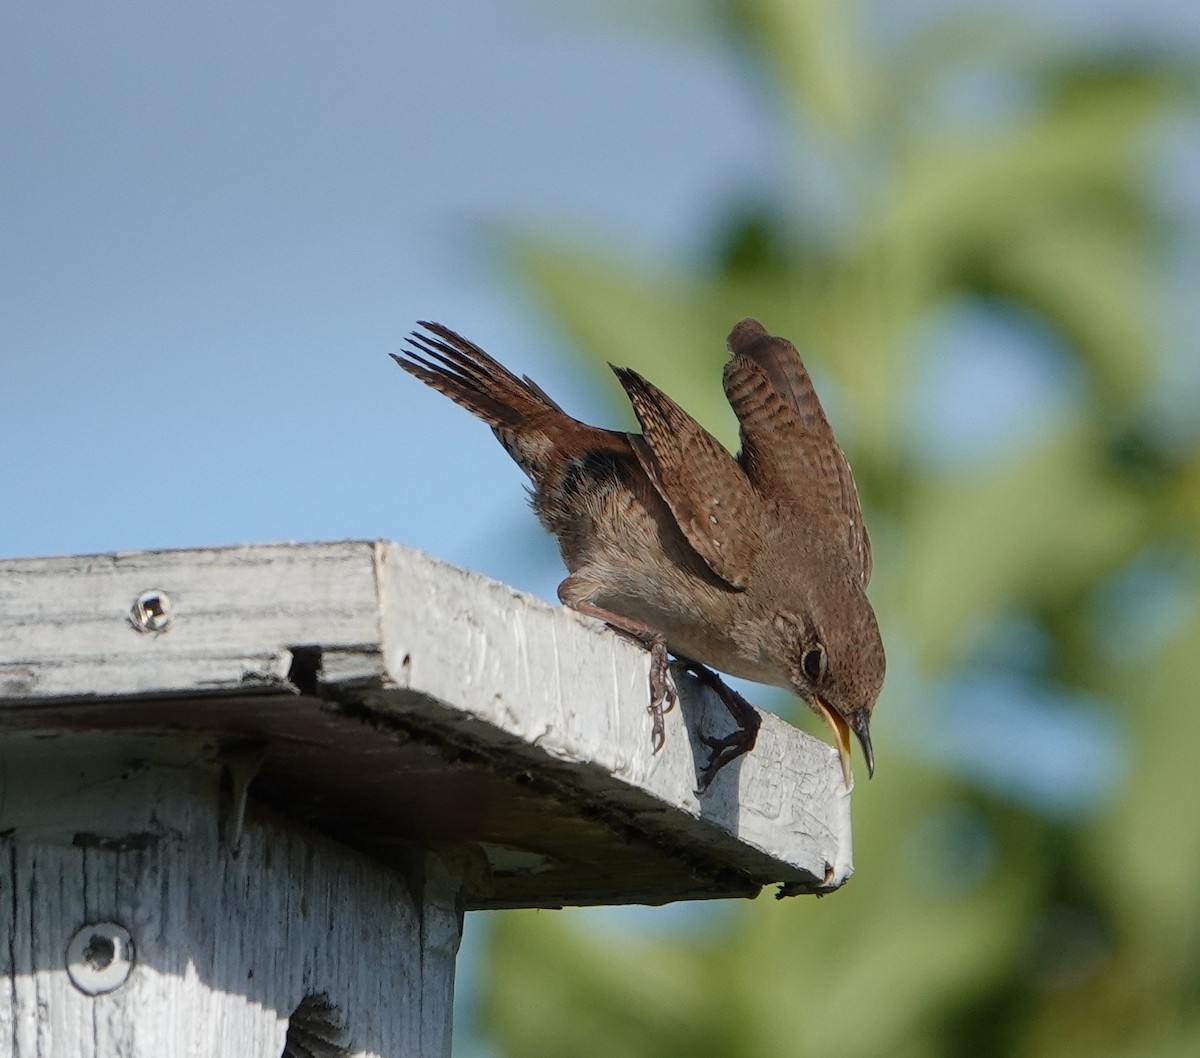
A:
(662, 695)
(724, 750)
(729, 747)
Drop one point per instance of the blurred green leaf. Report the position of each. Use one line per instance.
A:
(1094, 279)
(1032, 529)
(817, 56)
(1146, 851)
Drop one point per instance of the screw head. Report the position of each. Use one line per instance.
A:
(100, 957)
(152, 611)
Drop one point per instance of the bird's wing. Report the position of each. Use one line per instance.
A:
(788, 447)
(709, 495)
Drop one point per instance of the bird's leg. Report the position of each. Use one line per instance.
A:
(662, 693)
(731, 746)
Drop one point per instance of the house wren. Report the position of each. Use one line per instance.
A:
(756, 566)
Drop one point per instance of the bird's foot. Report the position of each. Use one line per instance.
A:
(662, 693)
(574, 592)
(724, 750)
(728, 747)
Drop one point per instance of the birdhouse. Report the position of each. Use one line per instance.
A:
(248, 795)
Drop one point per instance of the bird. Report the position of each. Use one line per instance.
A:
(755, 565)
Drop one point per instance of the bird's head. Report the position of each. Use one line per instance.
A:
(835, 662)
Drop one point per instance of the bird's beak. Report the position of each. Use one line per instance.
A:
(860, 725)
(841, 736)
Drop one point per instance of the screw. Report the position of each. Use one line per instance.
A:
(152, 611)
(100, 957)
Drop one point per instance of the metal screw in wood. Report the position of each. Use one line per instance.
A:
(100, 957)
(152, 611)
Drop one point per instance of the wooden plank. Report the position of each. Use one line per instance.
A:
(401, 699)
(67, 629)
(131, 926)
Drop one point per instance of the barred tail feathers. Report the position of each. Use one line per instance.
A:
(517, 409)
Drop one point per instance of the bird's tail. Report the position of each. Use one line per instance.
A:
(520, 413)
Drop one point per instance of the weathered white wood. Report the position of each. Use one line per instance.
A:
(66, 628)
(560, 682)
(103, 829)
(523, 726)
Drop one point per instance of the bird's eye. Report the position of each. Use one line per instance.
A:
(814, 663)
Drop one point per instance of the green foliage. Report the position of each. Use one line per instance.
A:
(978, 923)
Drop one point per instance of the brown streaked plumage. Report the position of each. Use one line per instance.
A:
(756, 566)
